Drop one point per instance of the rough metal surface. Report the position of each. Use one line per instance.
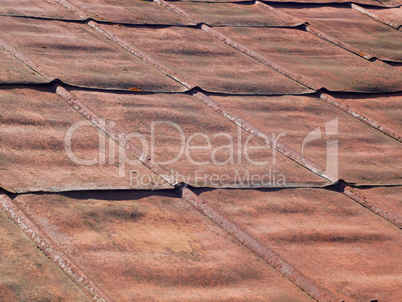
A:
(146, 246)
(328, 236)
(380, 3)
(194, 124)
(389, 16)
(206, 62)
(393, 14)
(287, 270)
(232, 14)
(136, 60)
(13, 71)
(50, 249)
(371, 203)
(35, 8)
(132, 12)
(27, 274)
(330, 66)
(390, 197)
(33, 157)
(366, 156)
(385, 109)
(75, 54)
(354, 28)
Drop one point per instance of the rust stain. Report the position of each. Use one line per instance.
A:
(136, 89)
(155, 245)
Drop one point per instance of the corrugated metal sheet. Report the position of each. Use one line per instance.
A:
(13, 71)
(34, 156)
(383, 3)
(354, 28)
(232, 14)
(393, 15)
(133, 12)
(206, 62)
(187, 122)
(366, 156)
(27, 274)
(146, 246)
(78, 56)
(35, 8)
(336, 242)
(388, 196)
(386, 109)
(328, 65)
(278, 244)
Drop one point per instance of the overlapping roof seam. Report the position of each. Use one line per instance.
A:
(284, 149)
(375, 3)
(298, 78)
(367, 120)
(39, 237)
(55, 253)
(51, 249)
(369, 204)
(268, 255)
(376, 17)
(288, 17)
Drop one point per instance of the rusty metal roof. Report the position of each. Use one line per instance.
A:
(330, 239)
(200, 150)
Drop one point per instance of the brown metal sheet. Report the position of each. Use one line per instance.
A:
(13, 71)
(383, 108)
(385, 3)
(27, 274)
(354, 28)
(388, 197)
(397, 67)
(206, 62)
(233, 14)
(390, 14)
(336, 242)
(307, 55)
(133, 12)
(77, 55)
(193, 124)
(174, 1)
(34, 156)
(365, 155)
(35, 8)
(144, 246)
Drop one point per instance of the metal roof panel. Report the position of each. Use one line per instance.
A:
(35, 128)
(76, 55)
(35, 8)
(384, 3)
(13, 71)
(206, 62)
(305, 54)
(366, 156)
(181, 124)
(354, 28)
(140, 245)
(232, 14)
(132, 12)
(27, 274)
(339, 244)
